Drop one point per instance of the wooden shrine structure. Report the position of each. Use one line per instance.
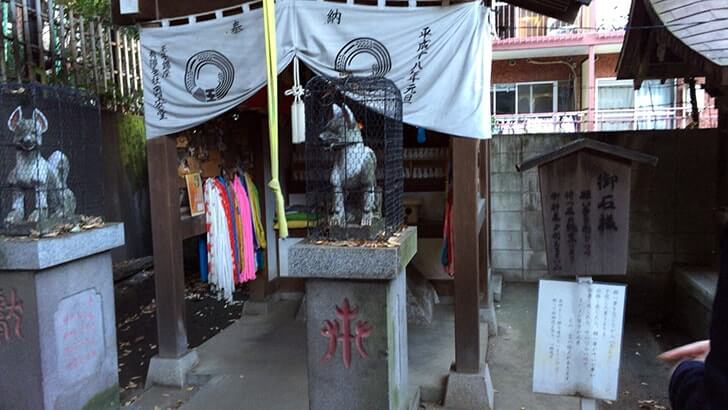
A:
(471, 185)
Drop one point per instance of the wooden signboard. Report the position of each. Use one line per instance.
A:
(585, 195)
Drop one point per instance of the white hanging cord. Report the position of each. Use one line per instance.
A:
(298, 115)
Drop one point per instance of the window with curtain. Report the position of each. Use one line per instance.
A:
(620, 107)
(504, 101)
(524, 98)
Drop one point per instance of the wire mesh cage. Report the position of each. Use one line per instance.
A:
(50, 158)
(354, 169)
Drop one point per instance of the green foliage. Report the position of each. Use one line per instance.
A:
(132, 146)
(90, 8)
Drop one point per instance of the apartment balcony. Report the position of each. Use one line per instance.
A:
(516, 23)
(517, 30)
(602, 120)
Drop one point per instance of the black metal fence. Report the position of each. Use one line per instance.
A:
(354, 169)
(50, 157)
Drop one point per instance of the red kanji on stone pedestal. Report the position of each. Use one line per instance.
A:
(11, 316)
(336, 332)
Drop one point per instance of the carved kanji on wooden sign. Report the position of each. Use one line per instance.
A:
(336, 333)
(585, 195)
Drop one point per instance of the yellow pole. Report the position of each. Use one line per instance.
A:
(269, 24)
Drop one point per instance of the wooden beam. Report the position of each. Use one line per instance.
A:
(260, 288)
(167, 238)
(192, 226)
(484, 228)
(481, 214)
(466, 251)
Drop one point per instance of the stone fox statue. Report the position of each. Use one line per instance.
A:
(354, 165)
(48, 178)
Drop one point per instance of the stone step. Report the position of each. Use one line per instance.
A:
(694, 293)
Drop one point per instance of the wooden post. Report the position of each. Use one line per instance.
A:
(466, 193)
(3, 69)
(54, 41)
(484, 218)
(259, 288)
(166, 233)
(27, 42)
(39, 30)
(13, 17)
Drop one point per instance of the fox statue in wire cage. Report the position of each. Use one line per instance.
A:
(46, 178)
(355, 165)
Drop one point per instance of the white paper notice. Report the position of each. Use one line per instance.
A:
(578, 339)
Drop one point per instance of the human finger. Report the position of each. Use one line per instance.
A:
(692, 350)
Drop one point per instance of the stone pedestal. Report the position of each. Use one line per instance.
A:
(57, 321)
(470, 391)
(171, 372)
(356, 322)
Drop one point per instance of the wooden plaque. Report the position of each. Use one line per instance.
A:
(195, 194)
(585, 198)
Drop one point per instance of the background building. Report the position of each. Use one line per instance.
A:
(551, 76)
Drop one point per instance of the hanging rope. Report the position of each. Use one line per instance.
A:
(269, 25)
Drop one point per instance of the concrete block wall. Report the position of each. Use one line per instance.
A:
(671, 219)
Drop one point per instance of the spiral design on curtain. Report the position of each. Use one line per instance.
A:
(364, 45)
(225, 75)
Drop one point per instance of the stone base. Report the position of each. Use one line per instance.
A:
(301, 313)
(356, 322)
(257, 308)
(376, 379)
(414, 403)
(469, 391)
(497, 285)
(58, 350)
(171, 372)
(487, 315)
(421, 299)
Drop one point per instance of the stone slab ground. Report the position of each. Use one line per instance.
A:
(642, 377)
(260, 363)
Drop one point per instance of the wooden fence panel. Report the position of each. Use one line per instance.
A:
(46, 42)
